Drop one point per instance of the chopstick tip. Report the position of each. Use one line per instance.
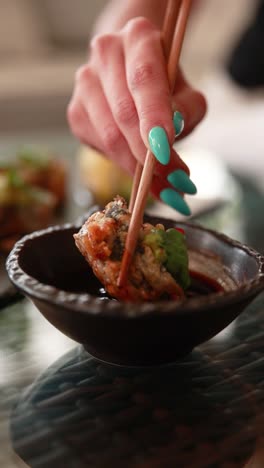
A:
(126, 260)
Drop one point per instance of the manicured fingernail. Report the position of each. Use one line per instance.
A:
(178, 122)
(181, 181)
(174, 199)
(159, 144)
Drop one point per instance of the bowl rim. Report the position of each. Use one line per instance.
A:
(91, 305)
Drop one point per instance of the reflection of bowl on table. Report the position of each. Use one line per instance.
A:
(188, 414)
(47, 267)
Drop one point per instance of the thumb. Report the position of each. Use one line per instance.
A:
(190, 102)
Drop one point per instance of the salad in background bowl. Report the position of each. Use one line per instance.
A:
(32, 189)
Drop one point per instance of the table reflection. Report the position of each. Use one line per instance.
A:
(195, 413)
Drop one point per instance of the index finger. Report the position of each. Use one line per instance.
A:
(147, 78)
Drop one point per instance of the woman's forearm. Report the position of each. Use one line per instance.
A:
(118, 12)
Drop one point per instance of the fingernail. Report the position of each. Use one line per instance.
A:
(178, 122)
(174, 199)
(181, 181)
(159, 145)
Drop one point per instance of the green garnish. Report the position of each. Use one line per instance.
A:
(4, 165)
(170, 250)
(14, 191)
(14, 179)
(34, 157)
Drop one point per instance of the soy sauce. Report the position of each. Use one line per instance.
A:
(201, 285)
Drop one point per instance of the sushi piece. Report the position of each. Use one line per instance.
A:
(159, 269)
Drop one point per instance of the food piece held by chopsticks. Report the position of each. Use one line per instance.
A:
(159, 269)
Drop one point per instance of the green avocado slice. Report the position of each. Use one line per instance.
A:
(169, 248)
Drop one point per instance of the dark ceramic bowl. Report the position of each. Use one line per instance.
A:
(47, 267)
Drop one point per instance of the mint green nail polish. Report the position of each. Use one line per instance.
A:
(174, 199)
(178, 122)
(159, 144)
(181, 181)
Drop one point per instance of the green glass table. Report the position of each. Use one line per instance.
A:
(59, 407)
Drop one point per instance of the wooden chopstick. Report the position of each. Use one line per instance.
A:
(170, 19)
(148, 169)
(134, 190)
(177, 42)
(171, 14)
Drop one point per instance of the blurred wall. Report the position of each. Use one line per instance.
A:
(42, 42)
(30, 26)
(213, 31)
(70, 21)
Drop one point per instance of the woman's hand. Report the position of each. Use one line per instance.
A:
(122, 106)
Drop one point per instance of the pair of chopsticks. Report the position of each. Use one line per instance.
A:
(174, 26)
